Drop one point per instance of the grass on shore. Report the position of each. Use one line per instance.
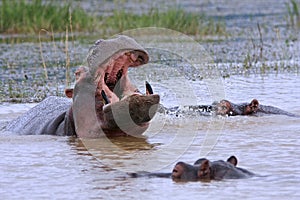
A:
(22, 17)
(174, 18)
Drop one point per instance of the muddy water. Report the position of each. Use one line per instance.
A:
(35, 167)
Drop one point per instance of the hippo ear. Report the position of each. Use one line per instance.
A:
(69, 93)
(233, 160)
(204, 170)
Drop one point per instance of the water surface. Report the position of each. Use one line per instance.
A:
(35, 167)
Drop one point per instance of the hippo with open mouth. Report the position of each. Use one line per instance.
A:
(105, 102)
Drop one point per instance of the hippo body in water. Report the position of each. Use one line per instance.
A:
(50, 117)
(204, 170)
(225, 107)
(104, 100)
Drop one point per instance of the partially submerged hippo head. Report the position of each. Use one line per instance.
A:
(204, 169)
(225, 107)
(104, 99)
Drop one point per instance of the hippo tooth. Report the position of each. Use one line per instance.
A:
(148, 88)
(106, 100)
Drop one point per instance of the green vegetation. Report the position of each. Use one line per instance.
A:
(175, 19)
(293, 14)
(30, 17)
(19, 16)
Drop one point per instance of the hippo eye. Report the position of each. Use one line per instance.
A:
(224, 107)
(174, 170)
(98, 41)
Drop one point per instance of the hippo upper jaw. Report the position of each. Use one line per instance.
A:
(112, 76)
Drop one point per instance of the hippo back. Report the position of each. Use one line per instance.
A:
(274, 110)
(226, 170)
(45, 118)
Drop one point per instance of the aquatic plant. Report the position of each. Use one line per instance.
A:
(293, 14)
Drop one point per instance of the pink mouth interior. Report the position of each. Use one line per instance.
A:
(108, 76)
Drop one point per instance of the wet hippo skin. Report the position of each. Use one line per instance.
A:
(225, 107)
(203, 169)
(104, 101)
(48, 117)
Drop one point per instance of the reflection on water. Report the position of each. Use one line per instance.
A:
(36, 167)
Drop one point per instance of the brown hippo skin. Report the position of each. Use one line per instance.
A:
(203, 170)
(225, 107)
(104, 100)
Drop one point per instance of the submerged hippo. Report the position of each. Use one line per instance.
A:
(205, 170)
(103, 100)
(225, 107)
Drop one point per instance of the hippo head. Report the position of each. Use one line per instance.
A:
(185, 172)
(204, 170)
(120, 107)
(223, 107)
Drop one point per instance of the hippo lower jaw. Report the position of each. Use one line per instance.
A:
(131, 115)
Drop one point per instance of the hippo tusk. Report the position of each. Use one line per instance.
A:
(106, 100)
(148, 88)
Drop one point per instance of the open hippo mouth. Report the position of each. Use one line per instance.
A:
(104, 99)
(112, 79)
(119, 104)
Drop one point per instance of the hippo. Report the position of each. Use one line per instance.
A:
(225, 107)
(103, 101)
(203, 170)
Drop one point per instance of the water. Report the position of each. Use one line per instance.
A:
(35, 167)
